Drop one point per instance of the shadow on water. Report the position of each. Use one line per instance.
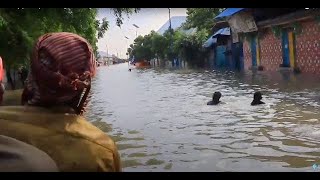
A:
(160, 120)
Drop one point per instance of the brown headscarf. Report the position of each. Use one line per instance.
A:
(62, 66)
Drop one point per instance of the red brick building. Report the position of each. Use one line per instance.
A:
(289, 41)
(307, 46)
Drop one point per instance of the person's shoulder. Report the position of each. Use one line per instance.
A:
(212, 103)
(257, 103)
(58, 119)
(93, 133)
(48, 129)
(101, 143)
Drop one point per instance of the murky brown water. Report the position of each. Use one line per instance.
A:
(160, 120)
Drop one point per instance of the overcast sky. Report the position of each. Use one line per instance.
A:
(147, 19)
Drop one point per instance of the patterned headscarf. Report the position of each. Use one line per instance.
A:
(62, 66)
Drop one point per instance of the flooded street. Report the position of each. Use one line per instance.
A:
(160, 120)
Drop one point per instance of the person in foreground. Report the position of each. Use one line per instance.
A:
(55, 96)
(17, 156)
(215, 99)
(257, 99)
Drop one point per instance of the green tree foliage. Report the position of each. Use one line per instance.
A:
(148, 47)
(118, 12)
(189, 47)
(175, 44)
(20, 27)
(201, 18)
(159, 45)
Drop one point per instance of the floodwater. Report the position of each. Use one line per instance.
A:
(160, 121)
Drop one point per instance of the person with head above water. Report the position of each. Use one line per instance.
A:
(257, 99)
(215, 99)
(54, 98)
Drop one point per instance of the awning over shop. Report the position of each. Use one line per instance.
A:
(223, 31)
(210, 41)
(229, 12)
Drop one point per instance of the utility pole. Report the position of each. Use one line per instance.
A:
(107, 49)
(127, 48)
(107, 53)
(136, 26)
(170, 19)
(171, 38)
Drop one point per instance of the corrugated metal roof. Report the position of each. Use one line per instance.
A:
(176, 22)
(229, 12)
(223, 31)
(210, 41)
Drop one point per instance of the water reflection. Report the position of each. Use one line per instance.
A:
(160, 120)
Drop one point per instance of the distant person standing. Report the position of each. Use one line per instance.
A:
(23, 73)
(2, 90)
(215, 99)
(257, 99)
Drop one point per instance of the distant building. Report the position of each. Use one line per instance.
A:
(176, 25)
(107, 59)
(176, 22)
(225, 50)
(276, 38)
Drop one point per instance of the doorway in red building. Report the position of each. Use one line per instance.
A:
(288, 44)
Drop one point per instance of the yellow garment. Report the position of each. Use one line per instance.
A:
(71, 141)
